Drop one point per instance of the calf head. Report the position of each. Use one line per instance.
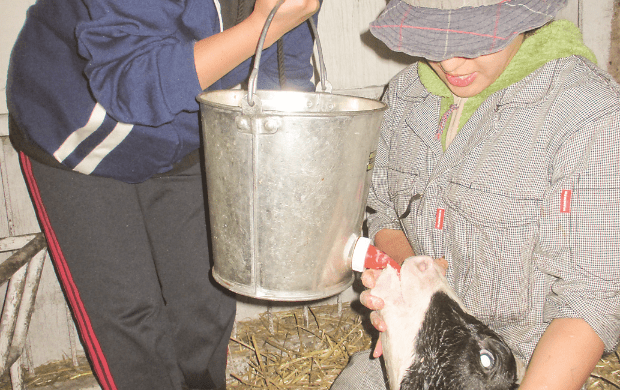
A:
(431, 342)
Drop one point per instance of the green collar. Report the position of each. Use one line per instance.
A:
(558, 39)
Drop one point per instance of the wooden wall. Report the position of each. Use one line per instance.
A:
(354, 60)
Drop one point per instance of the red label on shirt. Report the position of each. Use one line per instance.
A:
(565, 201)
(439, 218)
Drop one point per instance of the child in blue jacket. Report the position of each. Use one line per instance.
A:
(103, 110)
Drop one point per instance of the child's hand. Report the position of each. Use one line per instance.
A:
(443, 264)
(290, 15)
(369, 278)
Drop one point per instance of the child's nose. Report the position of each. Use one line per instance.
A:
(451, 65)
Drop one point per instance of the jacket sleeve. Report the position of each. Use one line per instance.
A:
(140, 57)
(580, 243)
(140, 61)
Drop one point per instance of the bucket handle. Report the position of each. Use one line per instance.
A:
(252, 83)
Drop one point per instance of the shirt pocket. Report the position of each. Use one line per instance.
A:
(489, 243)
(404, 189)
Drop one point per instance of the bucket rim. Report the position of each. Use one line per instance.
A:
(201, 98)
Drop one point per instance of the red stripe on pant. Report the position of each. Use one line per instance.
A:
(91, 344)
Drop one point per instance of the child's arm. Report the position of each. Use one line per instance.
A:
(564, 357)
(213, 55)
(394, 243)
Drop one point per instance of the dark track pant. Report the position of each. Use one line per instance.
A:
(133, 263)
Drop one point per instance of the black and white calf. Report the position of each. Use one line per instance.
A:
(431, 342)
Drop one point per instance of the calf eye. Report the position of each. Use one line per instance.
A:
(486, 358)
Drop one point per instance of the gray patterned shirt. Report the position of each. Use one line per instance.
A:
(524, 203)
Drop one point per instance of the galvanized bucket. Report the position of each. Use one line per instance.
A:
(287, 180)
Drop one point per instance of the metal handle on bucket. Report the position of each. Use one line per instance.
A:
(252, 83)
(325, 85)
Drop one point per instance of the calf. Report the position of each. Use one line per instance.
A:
(431, 342)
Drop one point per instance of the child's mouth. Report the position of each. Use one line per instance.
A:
(461, 81)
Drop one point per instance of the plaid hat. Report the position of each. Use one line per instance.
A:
(440, 29)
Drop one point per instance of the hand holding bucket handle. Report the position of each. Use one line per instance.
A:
(252, 83)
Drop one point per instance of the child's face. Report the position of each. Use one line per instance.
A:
(467, 77)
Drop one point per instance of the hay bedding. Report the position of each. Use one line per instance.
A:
(607, 373)
(297, 350)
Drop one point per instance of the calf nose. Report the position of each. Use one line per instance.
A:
(424, 263)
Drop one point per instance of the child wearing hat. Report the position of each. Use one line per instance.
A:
(499, 153)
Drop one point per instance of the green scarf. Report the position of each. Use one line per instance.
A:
(558, 39)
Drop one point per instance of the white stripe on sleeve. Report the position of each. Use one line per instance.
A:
(79, 135)
(92, 160)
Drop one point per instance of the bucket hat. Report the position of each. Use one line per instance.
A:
(440, 29)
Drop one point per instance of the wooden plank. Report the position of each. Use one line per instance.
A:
(21, 257)
(4, 125)
(4, 208)
(16, 242)
(570, 12)
(596, 23)
(614, 51)
(20, 216)
(49, 325)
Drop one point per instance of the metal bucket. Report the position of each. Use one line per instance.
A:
(287, 181)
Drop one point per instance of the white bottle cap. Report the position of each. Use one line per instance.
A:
(359, 254)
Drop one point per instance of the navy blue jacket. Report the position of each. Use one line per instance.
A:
(108, 87)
